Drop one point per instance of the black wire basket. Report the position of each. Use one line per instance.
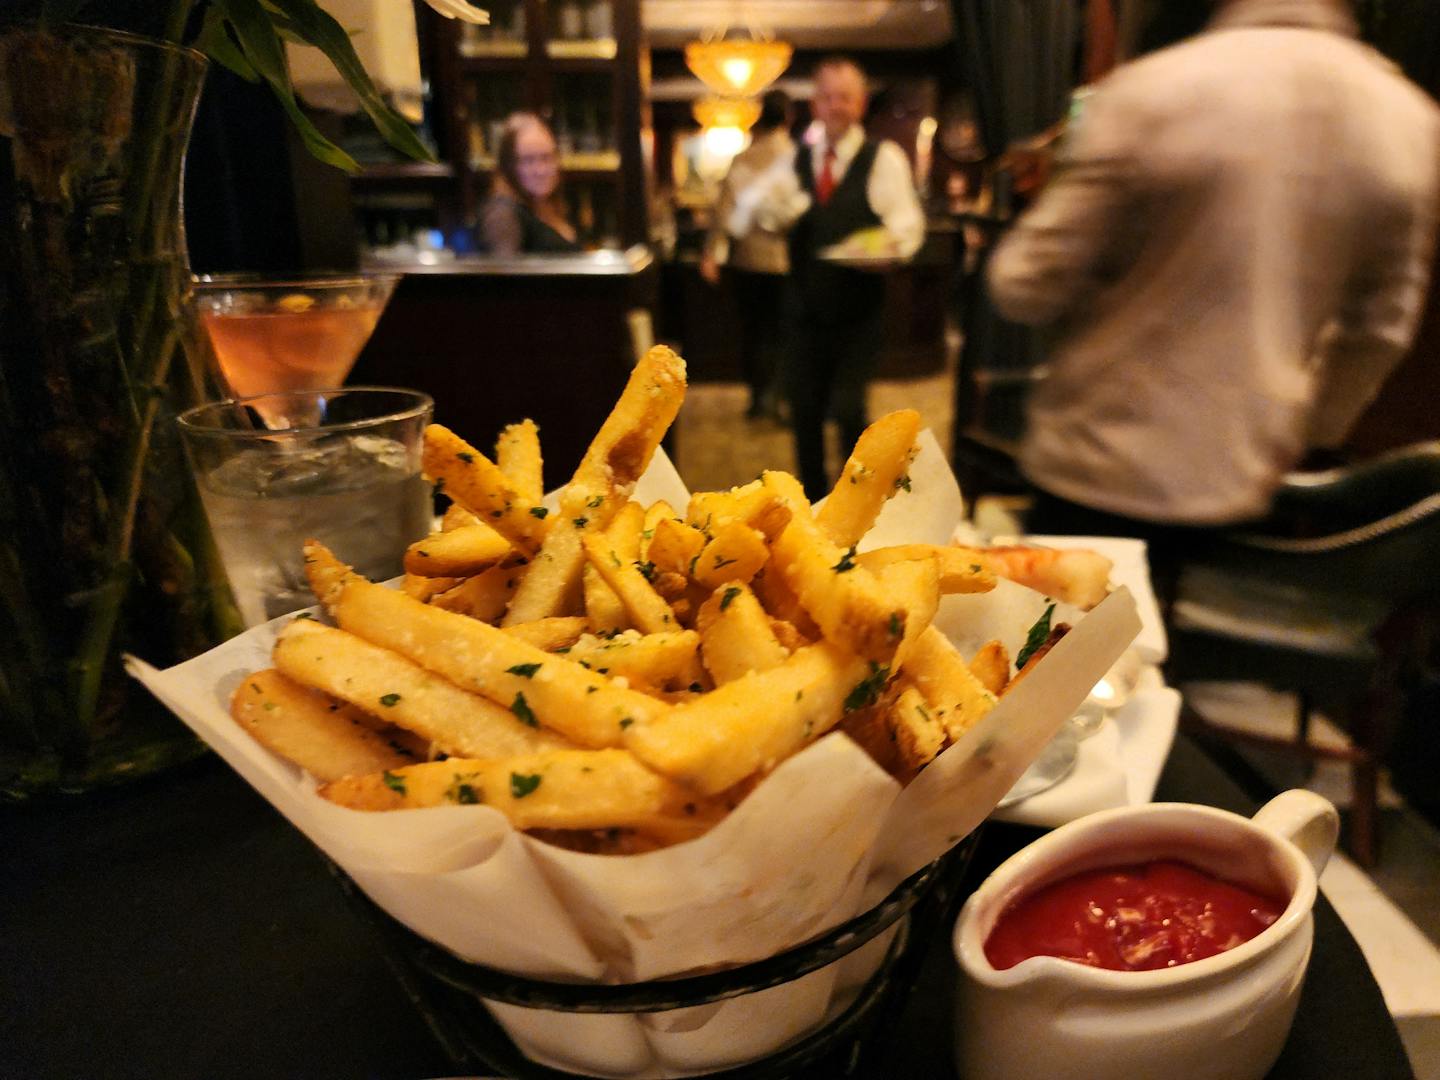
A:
(450, 993)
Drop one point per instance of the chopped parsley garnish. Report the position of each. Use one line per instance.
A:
(596, 501)
(975, 568)
(394, 781)
(867, 691)
(305, 615)
(423, 553)
(693, 561)
(522, 784)
(538, 512)
(648, 534)
(580, 522)
(626, 722)
(897, 625)
(389, 699)
(522, 711)
(847, 561)
(902, 483)
(730, 595)
(615, 560)
(647, 570)
(1036, 638)
(720, 561)
(461, 791)
(466, 456)
(525, 671)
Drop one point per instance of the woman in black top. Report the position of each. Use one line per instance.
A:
(525, 213)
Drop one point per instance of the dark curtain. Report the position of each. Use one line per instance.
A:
(1019, 59)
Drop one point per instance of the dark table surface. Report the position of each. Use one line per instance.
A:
(180, 927)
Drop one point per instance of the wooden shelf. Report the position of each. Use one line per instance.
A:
(590, 166)
(405, 171)
(494, 50)
(604, 49)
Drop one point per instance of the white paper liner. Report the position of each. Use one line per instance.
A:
(825, 835)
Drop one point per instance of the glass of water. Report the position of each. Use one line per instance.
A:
(350, 480)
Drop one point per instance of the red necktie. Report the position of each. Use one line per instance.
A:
(825, 184)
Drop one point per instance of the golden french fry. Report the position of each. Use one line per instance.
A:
(456, 516)
(604, 612)
(383, 682)
(955, 696)
(917, 732)
(753, 504)
(991, 665)
(477, 484)
(720, 738)
(423, 588)
(845, 600)
(485, 595)
(736, 553)
(622, 448)
(675, 547)
(551, 586)
(664, 661)
(551, 635)
(647, 609)
(324, 737)
(875, 471)
(559, 789)
(789, 635)
(960, 570)
(517, 453)
(623, 532)
(735, 635)
(584, 706)
(915, 586)
(457, 553)
(658, 511)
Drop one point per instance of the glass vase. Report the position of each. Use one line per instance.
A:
(103, 545)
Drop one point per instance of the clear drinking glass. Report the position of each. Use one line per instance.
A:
(304, 332)
(350, 479)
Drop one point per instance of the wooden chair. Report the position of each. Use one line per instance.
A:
(1328, 599)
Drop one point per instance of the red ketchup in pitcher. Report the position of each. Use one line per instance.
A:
(1131, 918)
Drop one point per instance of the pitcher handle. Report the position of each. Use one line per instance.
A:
(1307, 820)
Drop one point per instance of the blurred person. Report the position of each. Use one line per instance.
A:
(1233, 255)
(757, 258)
(839, 184)
(525, 212)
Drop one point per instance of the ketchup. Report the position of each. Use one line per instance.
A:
(1131, 918)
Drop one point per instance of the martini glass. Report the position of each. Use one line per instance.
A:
(274, 335)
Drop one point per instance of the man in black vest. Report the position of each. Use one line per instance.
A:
(842, 182)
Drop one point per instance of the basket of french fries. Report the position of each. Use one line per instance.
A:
(625, 737)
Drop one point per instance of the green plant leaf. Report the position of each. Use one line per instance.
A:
(319, 28)
(216, 43)
(255, 32)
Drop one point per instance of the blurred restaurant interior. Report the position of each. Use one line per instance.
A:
(646, 124)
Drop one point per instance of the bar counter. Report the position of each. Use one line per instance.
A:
(180, 927)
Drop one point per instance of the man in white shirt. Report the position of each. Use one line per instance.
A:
(1234, 254)
(841, 183)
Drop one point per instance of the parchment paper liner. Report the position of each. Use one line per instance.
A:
(827, 834)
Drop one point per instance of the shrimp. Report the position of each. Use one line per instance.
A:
(1075, 576)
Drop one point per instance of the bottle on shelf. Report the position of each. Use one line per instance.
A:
(599, 20)
(570, 23)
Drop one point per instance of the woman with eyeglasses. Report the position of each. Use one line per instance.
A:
(525, 212)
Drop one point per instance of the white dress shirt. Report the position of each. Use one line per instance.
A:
(1234, 255)
(778, 201)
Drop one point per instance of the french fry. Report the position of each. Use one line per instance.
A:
(736, 553)
(549, 634)
(720, 738)
(951, 690)
(658, 511)
(663, 661)
(735, 635)
(960, 570)
(324, 737)
(991, 665)
(674, 547)
(559, 789)
(517, 453)
(915, 586)
(647, 609)
(623, 532)
(875, 470)
(457, 553)
(380, 681)
(423, 588)
(626, 441)
(917, 732)
(583, 706)
(752, 504)
(789, 635)
(477, 484)
(845, 600)
(456, 517)
(604, 613)
(485, 595)
(551, 586)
